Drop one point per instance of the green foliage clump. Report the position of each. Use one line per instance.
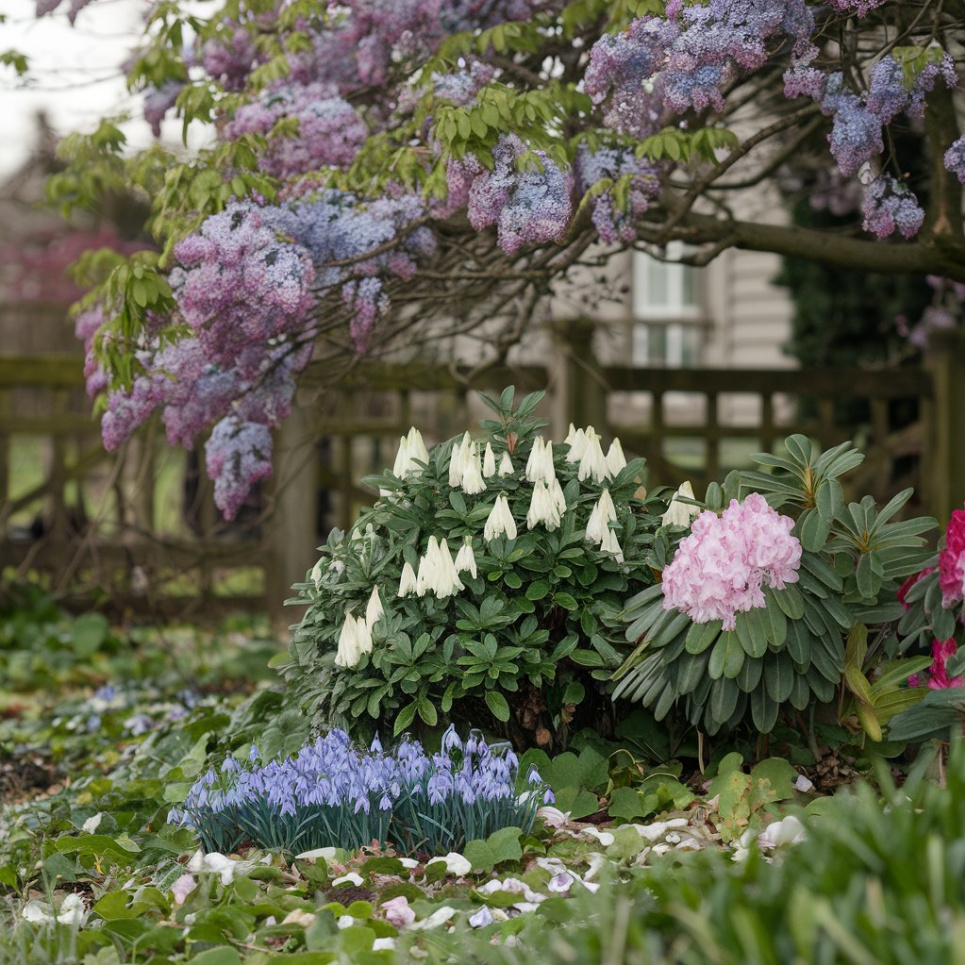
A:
(526, 648)
(811, 638)
(875, 882)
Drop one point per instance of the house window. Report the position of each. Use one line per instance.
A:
(666, 311)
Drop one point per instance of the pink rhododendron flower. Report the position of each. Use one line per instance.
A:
(951, 561)
(905, 587)
(720, 568)
(936, 677)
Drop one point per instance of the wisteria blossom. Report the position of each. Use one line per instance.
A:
(720, 569)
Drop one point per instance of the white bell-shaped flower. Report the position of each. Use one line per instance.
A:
(536, 464)
(466, 558)
(556, 491)
(457, 460)
(593, 462)
(374, 610)
(543, 508)
(349, 645)
(489, 462)
(679, 513)
(576, 440)
(417, 451)
(616, 461)
(603, 513)
(611, 544)
(447, 578)
(407, 581)
(506, 465)
(472, 480)
(401, 465)
(316, 575)
(500, 521)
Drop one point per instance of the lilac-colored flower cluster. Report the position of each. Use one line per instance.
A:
(889, 206)
(685, 61)
(860, 8)
(229, 57)
(238, 455)
(330, 131)
(954, 159)
(856, 133)
(528, 199)
(332, 794)
(611, 223)
(462, 86)
(719, 570)
(890, 93)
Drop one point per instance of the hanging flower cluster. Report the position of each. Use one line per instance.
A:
(720, 568)
(331, 793)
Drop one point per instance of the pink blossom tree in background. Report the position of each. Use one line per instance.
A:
(383, 172)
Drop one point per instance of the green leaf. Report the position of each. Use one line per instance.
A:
(538, 590)
(752, 632)
(498, 705)
(701, 635)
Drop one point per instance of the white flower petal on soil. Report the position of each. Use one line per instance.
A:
(351, 878)
(455, 863)
(435, 920)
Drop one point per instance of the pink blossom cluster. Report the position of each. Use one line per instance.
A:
(936, 676)
(951, 561)
(530, 202)
(330, 131)
(719, 570)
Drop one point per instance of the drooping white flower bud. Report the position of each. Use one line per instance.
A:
(500, 521)
(447, 578)
(374, 610)
(611, 544)
(556, 491)
(401, 465)
(466, 558)
(316, 575)
(349, 649)
(472, 480)
(603, 513)
(407, 581)
(542, 508)
(457, 460)
(417, 451)
(616, 461)
(506, 465)
(533, 464)
(679, 513)
(489, 462)
(592, 462)
(576, 440)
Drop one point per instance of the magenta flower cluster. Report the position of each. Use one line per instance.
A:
(951, 561)
(720, 569)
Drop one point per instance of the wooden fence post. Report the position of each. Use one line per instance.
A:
(945, 450)
(582, 395)
(293, 526)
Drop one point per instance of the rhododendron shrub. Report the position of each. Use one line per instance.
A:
(767, 599)
(484, 586)
(405, 170)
